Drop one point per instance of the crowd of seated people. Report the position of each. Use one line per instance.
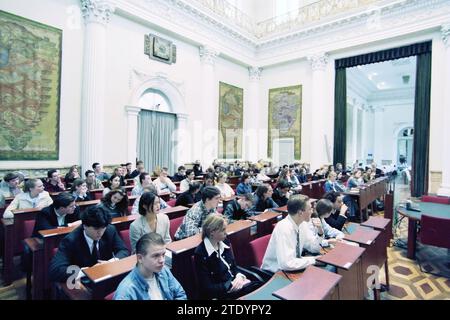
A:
(261, 187)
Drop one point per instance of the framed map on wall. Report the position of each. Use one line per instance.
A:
(30, 71)
(231, 107)
(285, 116)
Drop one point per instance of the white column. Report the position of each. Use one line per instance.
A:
(318, 148)
(255, 144)
(96, 15)
(363, 154)
(132, 132)
(377, 130)
(444, 190)
(208, 143)
(183, 141)
(355, 132)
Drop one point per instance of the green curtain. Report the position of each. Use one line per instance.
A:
(340, 116)
(419, 170)
(155, 144)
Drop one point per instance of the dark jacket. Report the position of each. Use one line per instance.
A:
(51, 188)
(113, 212)
(233, 211)
(88, 197)
(74, 250)
(335, 220)
(187, 198)
(46, 219)
(279, 198)
(261, 205)
(212, 274)
(178, 177)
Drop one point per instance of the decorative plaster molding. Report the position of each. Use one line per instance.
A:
(254, 73)
(445, 33)
(97, 10)
(132, 110)
(208, 55)
(318, 61)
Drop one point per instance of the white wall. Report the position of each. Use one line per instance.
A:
(59, 14)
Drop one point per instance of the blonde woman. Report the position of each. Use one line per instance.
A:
(225, 190)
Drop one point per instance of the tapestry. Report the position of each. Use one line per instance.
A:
(285, 111)
(30, 70)
(231, 102)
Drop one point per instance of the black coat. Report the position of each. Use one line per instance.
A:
(187, 198)
(46, 219)
(213, 276)
(74, 250)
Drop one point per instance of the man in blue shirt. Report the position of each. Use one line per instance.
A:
(150, 279)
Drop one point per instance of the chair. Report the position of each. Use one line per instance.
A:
(436, 199)
(125, 235)
(257, 250)
(174, 224)
(172, 202)
(434, 231)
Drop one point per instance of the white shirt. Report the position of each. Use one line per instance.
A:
(153, 289)
(24, 201)
(60, 218)
(184, 185)
(90, 242)
(328, 232)
(225, 190)
(281, 253)
(164, 187)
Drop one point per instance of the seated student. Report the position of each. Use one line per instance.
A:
(33, 196)
(193, 220)
(302, 177)
(99, 174)
(128, 171)
(225, 190)
(150, 220)
(71, 176)
(180, 175)
(369, 175)
(356, 179)
(96, 241)
(150, 188)
(144, 180)
(332, 184)
(338, 217)
(262, 177)
(289, 237)
(9, 187)
(325, 234)
(263, 199)
(292, 179)
(208, 181)
(150, 279)
(281, 193)
(114, 184)
(59, 214)
(120, 172)
(92, 182)
(198, 170)
(239, 208)
(190, 196)
(184, 184)
(215, 267)
(163, 183)
(244, 186)
(80, 191)
(53, 182)
(115, 203)
(139, 169)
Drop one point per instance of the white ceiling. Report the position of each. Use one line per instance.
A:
(394, 74)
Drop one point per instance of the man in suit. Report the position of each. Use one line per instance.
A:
(62, 212)
(96, 241)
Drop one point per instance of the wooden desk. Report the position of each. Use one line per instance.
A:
(373, 255)
(264, 221)
(106, 277)
(313, 284)
(14, 234)
(347, 260)
(175, 212)
(385, 227)
(86, 204)
(165, 195)
(430, 209)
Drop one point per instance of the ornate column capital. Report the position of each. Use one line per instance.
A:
(254, 73)
(97, 10)
(208, 54)
(318, 61)
(445, 34)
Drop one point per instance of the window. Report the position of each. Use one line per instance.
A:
(155, 100)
